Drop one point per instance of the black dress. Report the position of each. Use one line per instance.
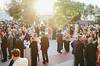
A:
(34, 53)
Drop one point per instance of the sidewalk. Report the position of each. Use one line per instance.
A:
(55, 59)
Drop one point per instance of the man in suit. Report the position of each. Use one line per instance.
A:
(4, 46)
(66, 39)
(78, 52)
(59, 41)
(90, 52)
(44, 48)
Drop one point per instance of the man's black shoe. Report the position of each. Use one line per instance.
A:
(59, 52)
(44, 62)
(47, 61)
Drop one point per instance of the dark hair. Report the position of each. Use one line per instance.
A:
(27, 37)
(15, 52)
(43, 33)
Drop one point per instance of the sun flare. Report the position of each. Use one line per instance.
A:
(44, 7)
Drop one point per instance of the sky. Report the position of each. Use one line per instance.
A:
(46, 6)
(87, 2)
(93, 2)
(3, 4)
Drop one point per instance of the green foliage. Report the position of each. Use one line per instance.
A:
(76, 18)
(89, 9)
(65, 12)
(68, 8)
(23, 11)
(15, 10)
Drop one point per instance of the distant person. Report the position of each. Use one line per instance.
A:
(71, 30)
(50, 32)
(20, 46)
(10, 43)
(4, 46)
(59, 41)
(37, 30)
(78, 52)
(42, 28)
(90, 52)
(44, 48)
(18, 61)
(27, 52)
(74, 44)
(66, 39)
(34, 49)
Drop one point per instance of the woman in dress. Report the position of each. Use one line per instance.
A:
(27, 53)
(34, 49)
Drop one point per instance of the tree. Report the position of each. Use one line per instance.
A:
(76, 18)
(15, 10)
(23, 11)
(68, 8)
(67, 11)
(89, 9)
(29, 15)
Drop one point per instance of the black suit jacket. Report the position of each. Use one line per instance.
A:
(44, 44)
(4, 42)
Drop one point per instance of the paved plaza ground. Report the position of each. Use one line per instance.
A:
(55, 59)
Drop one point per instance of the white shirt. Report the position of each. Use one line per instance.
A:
(26, 43)
(98, 44)
(21, 62)
(98, 40)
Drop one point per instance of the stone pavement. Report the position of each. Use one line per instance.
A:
(55, 59)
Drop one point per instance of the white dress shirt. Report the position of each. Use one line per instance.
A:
(21, 62)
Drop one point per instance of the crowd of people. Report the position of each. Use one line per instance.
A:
(86, 46)
(19, 41)
(17, 35)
